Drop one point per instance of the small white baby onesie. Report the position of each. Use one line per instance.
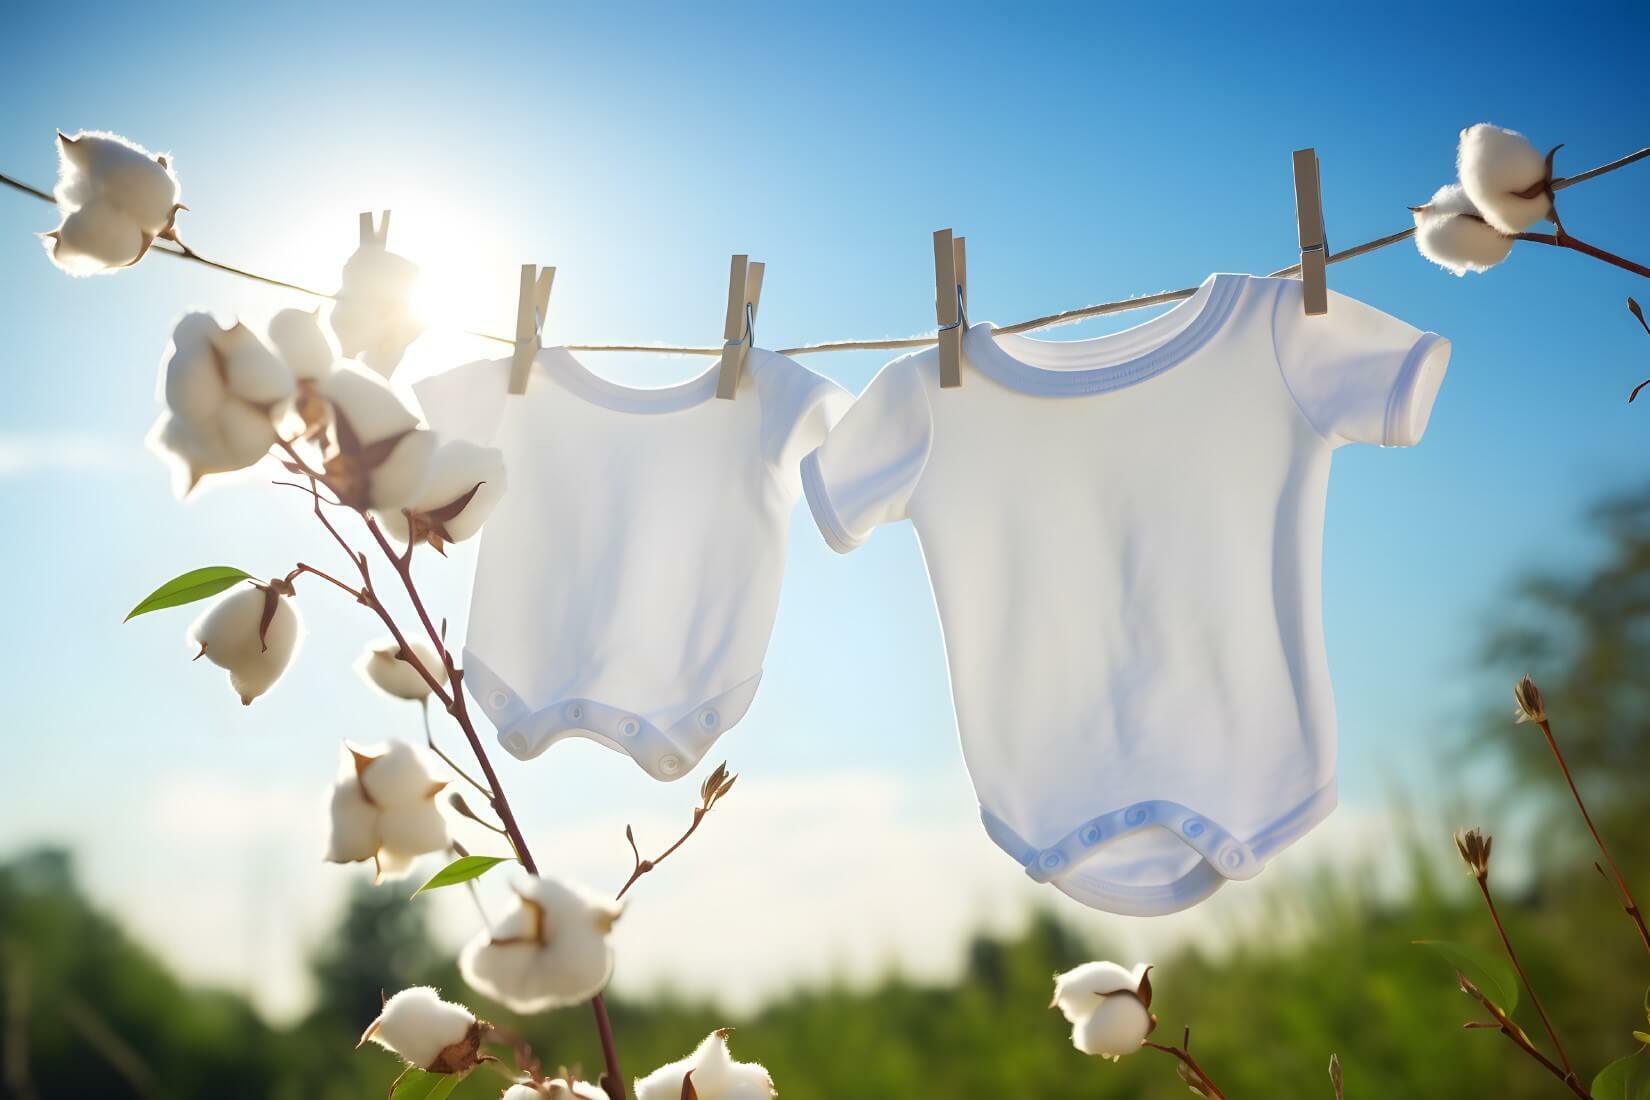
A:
(1124, 538)
(627, 583)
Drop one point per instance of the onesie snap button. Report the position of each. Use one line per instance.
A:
(630, 727)
(574, 712)
(1091, 835)
(516, 742)
(498, 700)
(1052, 860)
(670, 765)
(1232, 859)
(708, 718)
(1194, 827)
(1137, 815)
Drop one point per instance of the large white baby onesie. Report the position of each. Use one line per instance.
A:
(627, 583)
(1124, 538)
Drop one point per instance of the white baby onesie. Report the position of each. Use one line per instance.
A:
(1124, 537)
(627, 583)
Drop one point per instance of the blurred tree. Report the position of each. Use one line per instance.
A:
(1584, 635)
(381, 944)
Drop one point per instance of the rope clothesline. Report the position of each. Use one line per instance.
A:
(1047, 321)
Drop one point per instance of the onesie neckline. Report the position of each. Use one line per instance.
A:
(1075, 368)
(566, 369)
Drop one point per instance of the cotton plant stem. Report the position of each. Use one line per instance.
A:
(1506, 942)
(643, 866)
(1047, 321)
(429, 739)
(1564, 240)
(1516, 1036)
(1185, 1058)
(454, 702)
(1627, 900)
(500, 802)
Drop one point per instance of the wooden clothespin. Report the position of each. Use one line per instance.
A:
(531, 308)
(379, 236)
(1314, 241)
(739, 327)
(950, 302)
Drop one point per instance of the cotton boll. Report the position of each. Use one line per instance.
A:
(464, 483)
(95, 240)
(397, 776)
(382, 667)
(1116, 1027)
(229, 629)
(366, 400)
(246, 434)
(251, 371)
(396, 480)
(103, 168)
(1078, 991)
(354, 823)
(220, 387)
(1450, 232)
(369, 417)
(554, 1089)
(229, 636)
(384, 809)
(373, 317)
(299, 341)
(191, 378)
(427, 1032)
(550, 950)
(192, 455)
(716, 1076)
(407, 832)
(238, 438)
(1495, 164)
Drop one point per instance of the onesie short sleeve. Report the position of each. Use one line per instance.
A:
(799, 409)
(864, 473)
(466, 402)
(1358, 375)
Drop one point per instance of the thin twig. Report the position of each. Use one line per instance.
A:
(716, 785)
(429, 739)
(1184, 1055)
(1049, 320)
(1506, 942)
(1518, 1038)
(1627, 900)
(301, 568)
(1562, 239)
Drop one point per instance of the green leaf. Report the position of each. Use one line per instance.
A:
(1490, 973)
(460, 870)
(1624, 1079)
(197, 584)
(417, 1084)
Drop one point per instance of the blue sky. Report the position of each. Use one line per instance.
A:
(1088, 154)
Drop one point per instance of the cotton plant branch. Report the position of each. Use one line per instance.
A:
(1561, 239)
(716, 785)
(1191, 1073)
(1499, 1021)
(452, 698)
(1532, 708)
(1474, 848)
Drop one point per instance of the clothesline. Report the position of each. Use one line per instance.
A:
(1047, 321)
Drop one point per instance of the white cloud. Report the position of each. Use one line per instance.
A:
(28, 453)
